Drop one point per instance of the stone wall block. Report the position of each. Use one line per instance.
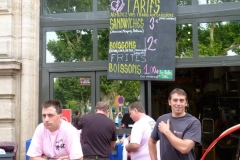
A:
(29, 67)
(7, 109)
(6, 25)
(6, 134)
(5, 6)
(8, 85)
(5, 51)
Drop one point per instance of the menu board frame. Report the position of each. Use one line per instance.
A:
(142, 41)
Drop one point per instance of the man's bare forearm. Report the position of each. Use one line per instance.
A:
(132, 147)
(152, 149)
(113, 144)
(38, 158)
(183, 146)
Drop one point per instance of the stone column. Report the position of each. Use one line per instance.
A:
(30, 70)
(19, 71)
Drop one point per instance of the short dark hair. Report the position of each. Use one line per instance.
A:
(103, 106)
(178, 91)
(53, 103)
(138, 105)
(76, 112)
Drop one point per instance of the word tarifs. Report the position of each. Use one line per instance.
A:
(126, 23)
(144, 6)
(122, 45)
(124, 68)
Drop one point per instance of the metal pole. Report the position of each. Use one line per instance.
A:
(237, 154)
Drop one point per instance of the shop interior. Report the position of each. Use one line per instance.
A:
(214, 98)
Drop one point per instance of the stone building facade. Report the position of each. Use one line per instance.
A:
(19, 71)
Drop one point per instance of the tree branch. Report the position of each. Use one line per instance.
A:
(233, 46)
(68, 41)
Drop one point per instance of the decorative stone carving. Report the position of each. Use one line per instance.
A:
(9, 67)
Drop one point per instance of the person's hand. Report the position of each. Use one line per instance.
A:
(64, 158)
(44, 156)
(126, 147)
(60, 158)
(122, 139)
(163, 127)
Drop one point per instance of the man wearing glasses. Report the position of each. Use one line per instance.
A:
(98, 136)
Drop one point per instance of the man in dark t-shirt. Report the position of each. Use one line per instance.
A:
(98, 136)
(76, 119)
(177, 131)
(126, 120)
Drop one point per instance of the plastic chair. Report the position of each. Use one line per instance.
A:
(10, 147)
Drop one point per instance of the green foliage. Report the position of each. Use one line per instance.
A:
(217, 38)
(72, 104)
(73, 89)
(67, 6)
(103, 5)
(71, 94)
(184, 2)
(108, 86)
(103, 41)
(59, 93)
(72, 46)
(74, 96)
(131, 92)
(128, 88)
(184, 44)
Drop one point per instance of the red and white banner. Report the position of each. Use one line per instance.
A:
(67, 115)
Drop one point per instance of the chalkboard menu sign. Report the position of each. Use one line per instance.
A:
(142, 42)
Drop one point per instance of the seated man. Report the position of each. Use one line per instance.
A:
(55, 139)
